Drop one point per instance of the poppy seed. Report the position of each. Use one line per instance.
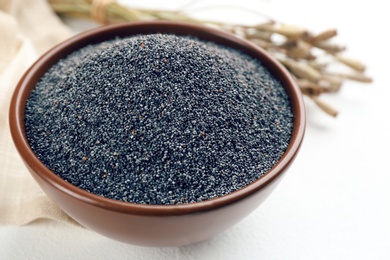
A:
(159, 119)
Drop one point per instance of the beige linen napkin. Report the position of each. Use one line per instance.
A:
(27, 29)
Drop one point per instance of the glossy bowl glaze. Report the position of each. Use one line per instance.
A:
(153, 225)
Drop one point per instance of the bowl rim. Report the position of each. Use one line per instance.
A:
(22, 92)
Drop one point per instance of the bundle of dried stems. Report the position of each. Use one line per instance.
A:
(306, 55)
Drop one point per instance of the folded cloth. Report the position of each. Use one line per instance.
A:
(28, 28)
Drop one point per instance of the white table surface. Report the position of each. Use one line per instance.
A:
(334, 203)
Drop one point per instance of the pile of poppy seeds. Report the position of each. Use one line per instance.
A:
(159, 119)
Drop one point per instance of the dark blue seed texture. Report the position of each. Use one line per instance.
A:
(159, 119)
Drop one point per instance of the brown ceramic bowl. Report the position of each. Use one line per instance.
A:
(153, 225)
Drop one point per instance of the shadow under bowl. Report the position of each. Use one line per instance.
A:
(153, 225)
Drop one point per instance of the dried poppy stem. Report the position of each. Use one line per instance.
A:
(355, 77)
(325, 107)
(295, 47)
(325, 35)
(301, 50)
(354, 64)
(263, 44)
(309, 88)
(262, 35)
(329, 47)
(320, 66)
(289, 31)
(302, 70)
(330, 83)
